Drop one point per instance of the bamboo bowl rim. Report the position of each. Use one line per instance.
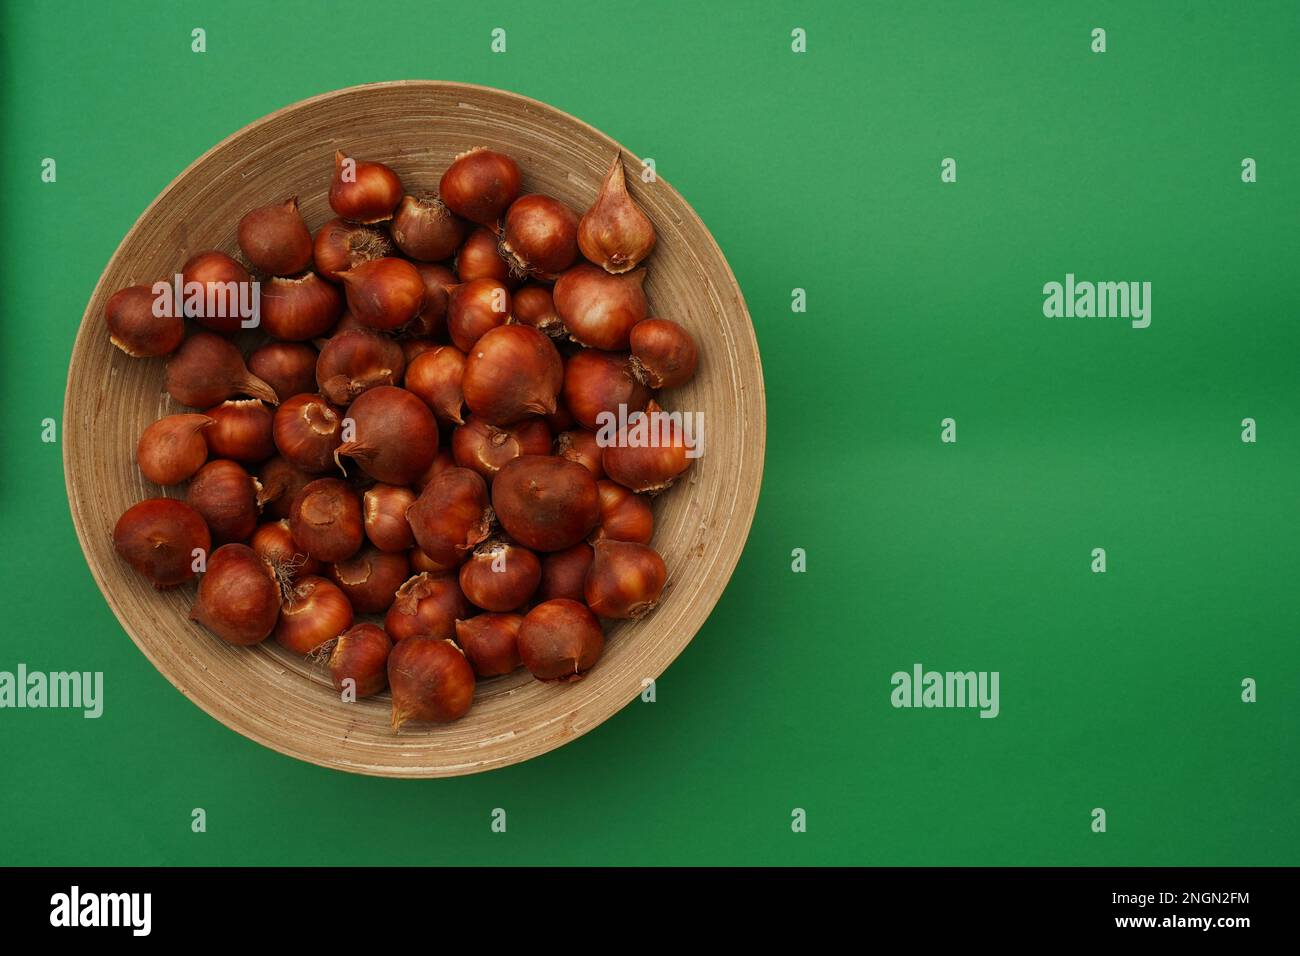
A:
(265, 693)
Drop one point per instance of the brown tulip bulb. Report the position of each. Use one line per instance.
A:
(663, 353)
(370, 578)
(207, 370)
(172, 448)
(136, 329)
(426, 229)
(427, 605)
(355, 360)
(280, 484)
(341, 245)
(600, 309)
(480, 258)
(275, 239)
(226, 496)
(162, 538)
(300, 308)
(224, 301)
(540, 237)
(274, 544)
(512, 372)
(432, 320)
(560, 640)
(598, 382)
(288, 367)
(435, 378)
(475, 308)
(485, 448)
(394, 435)
(430, 680)
(480, 185)
(239, 598)
(384, 294)
(532, 305)
(615, 233)
(500, 576)
(545, 503)
(490, 642)
(384, 507)
(624, 515)
(452, 516)
(326, 520)
(315, 612)
(359, 661)
(240, 430)
(307, 430)
(363, 191)
(648, 466)
(625, 579)
(564, 573)
(582, 447)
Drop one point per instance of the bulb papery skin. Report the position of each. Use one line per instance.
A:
(625, 579)
(288, 367)
(300, 308)
(173, 448)
(615, 233)
(326, 520)
(435, 377)
(426, 230)
(427, 605)
(315, 612)
(207, 369)
(340, 245)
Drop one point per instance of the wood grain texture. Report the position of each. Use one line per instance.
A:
(417, 127)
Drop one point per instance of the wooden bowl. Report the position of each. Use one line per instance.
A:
(281, 700)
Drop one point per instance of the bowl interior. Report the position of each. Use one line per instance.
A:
(418, 128)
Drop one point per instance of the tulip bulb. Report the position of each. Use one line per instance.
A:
(362, 191)
(615, 233)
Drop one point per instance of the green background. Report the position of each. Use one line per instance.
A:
(817, 171)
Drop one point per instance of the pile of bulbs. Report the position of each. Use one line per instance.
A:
(417, 441)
